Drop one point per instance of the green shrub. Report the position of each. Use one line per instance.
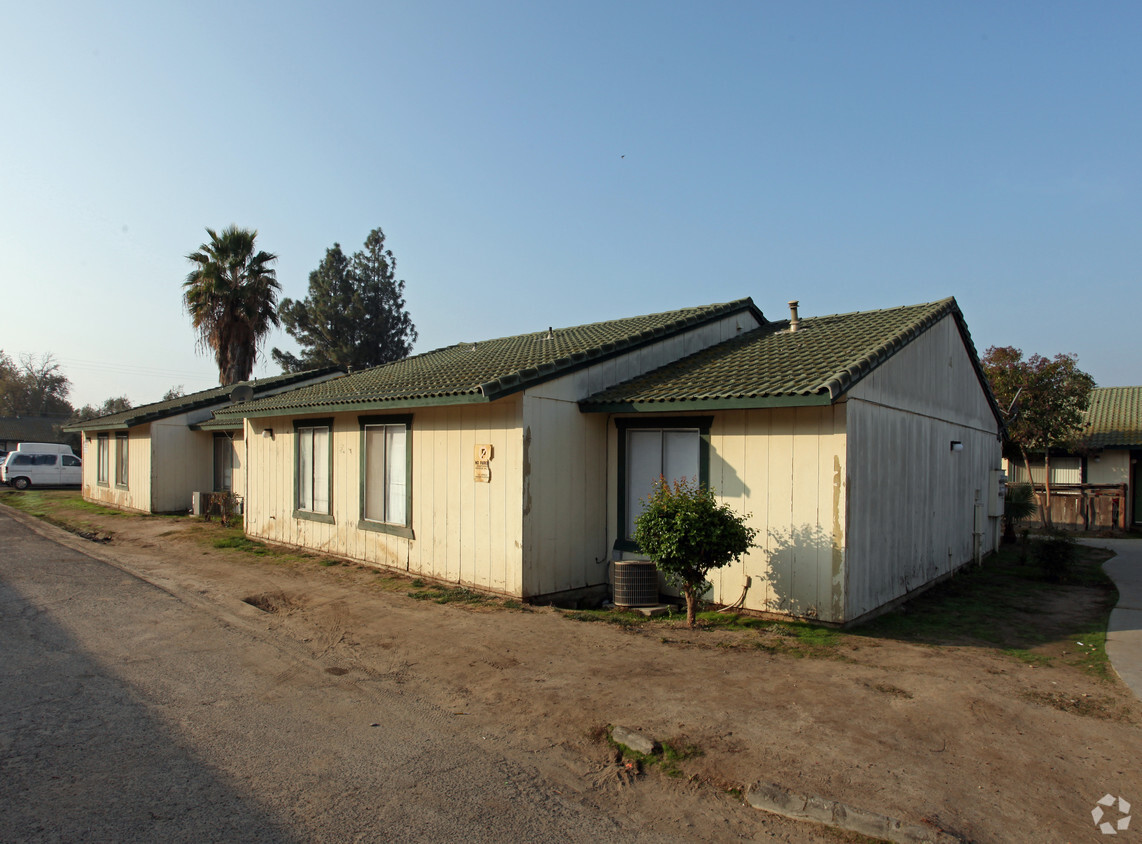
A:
(1055, 554)
(687, 533)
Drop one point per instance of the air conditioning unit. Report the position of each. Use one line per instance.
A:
(636, 584)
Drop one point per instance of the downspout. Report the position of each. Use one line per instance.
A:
(977, 533)
(246, 429)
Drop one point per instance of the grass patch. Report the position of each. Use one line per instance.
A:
(619, 618)
(61, 507)
(668, 756)
(999, 603)
(793, 638)
(439, 594)
(1089, 653)
(234, 539)
(1028, 657)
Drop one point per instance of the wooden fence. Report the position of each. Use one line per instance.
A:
(1086, 506)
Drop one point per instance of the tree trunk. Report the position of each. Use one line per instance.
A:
(691, 605)
(1047, 482)
(1031, 480)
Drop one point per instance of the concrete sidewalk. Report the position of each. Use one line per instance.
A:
(1124, 632)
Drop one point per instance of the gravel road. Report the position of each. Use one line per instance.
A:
(129, 713)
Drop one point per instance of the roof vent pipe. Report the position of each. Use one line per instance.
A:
(793, 321)
(550, 333)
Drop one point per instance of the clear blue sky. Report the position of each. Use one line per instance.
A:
(537, 164)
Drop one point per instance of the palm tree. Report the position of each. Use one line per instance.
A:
(232, 296)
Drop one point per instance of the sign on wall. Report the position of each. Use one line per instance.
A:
(483, 463)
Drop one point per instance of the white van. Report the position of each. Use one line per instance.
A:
(42, 464)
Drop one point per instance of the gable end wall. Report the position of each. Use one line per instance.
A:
(911, 498)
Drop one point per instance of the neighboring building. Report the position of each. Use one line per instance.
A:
(152, 458)
(30, 429)
(866, 448)
(1096, 484)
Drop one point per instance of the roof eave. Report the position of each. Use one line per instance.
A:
(516, 382)
(351, 406)
(738, 403)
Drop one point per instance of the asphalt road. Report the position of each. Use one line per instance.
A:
(128, 713)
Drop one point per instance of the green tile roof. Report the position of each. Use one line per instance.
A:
(773, 366)
(195, 401)
(488, 369)
(1114, 418)
(36, 429)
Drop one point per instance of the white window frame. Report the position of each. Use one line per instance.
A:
(628, 509)
(386, 477)
(102, 459)
(313, 469)
(122, 458)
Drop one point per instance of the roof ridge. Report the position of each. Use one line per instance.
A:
(838, 383)
(944, 301)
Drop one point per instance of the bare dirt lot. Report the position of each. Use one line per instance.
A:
(1009, 735)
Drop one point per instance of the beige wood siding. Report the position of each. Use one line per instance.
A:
(238, 475)
(1111, 467)
(565, 513)
(785, 469)
(911, 497)
(182, 463)
(137, 495)
(1064, 470)
(465, 531)
(564, 506)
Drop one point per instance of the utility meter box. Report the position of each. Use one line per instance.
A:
(996, 493)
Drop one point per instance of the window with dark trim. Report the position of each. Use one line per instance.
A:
(223, 462)
(121, 460)
(649, 449)
(386, 474)
(313, 491)
(102, 459)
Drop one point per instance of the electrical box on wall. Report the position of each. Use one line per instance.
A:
(996, 492)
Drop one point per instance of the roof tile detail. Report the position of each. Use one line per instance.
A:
(195, 401)
(1113, 418)
(488, 369)
(824, 357)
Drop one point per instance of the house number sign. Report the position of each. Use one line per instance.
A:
(483, 461)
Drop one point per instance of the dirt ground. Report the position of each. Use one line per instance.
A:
(969, 739)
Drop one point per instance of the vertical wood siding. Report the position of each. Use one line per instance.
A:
(784, 467)
(182, 462)
(137, 495)
(564, 506)
(464, 531)
(911, 498)
(565, 538)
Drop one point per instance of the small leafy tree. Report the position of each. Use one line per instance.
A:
(1047, 398)
(687, 533)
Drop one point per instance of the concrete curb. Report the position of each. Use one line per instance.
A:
(772, 798)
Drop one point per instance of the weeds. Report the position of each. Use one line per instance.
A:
(234, 539)
(439, 594)
(1055, 554)
(668, 756)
